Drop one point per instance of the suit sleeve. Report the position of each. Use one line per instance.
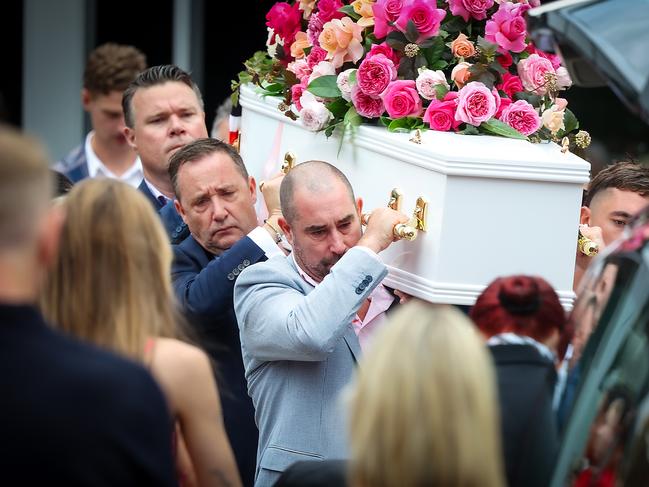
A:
(209, 289)
(279, 322)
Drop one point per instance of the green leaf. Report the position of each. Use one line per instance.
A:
(274, 87)
(469, 130)
(349, 10)
(531, 98)
(396, 40)
(496, 127)
(441, 64)
(455, 24)
(352, 118)
(352, 77)
(325, 87)
(440, 91)
(412, 34)
(385, 120)
(338, 108)
(488, 48)
(570, 121)
(420, 61)
(405, 124)
(434, 52)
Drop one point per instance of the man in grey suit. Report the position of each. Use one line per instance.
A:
(299, 316)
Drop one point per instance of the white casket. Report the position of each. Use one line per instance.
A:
(496, 206)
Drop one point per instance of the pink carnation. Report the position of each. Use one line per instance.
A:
(424, 14)
(511, 84)
(386, 50)
(507, 27)
(470, 8)
(476, 104)
(385, 13)
(401, 99)
(296, 93)
(285, 20)
(314, 29)
(374, 74)
(316, 55)
(440, 115)
(522, 116)
(532, 72)
(367, 106)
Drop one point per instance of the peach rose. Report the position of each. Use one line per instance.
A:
(341, 38)
(364, 9)
(299, 45)
(462, 47)
(460, 74)
(307, 7)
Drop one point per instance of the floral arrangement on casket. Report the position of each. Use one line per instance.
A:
(450, 65)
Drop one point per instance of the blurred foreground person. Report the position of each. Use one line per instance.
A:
(423, 411)
(72, 414)
(111, 285)
(523, 321)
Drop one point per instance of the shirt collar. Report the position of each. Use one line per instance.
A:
(98, 168)
(155, 191)
(303, 274)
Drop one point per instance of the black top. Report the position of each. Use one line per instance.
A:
(76, 415)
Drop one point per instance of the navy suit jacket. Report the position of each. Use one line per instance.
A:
(76, 415)
(204, 285)
(174, 225)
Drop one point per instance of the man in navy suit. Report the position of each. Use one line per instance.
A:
(163, 111)
(72, 414)
(216, 198)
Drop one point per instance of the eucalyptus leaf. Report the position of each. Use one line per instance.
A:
(325, 86)
(469, 130)
(496, 127)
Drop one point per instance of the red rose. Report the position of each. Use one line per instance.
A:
(511, 84)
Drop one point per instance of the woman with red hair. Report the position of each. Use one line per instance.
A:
(524, 325)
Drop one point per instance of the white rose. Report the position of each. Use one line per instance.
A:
(563, 78)
(272, 48)
(314, 114)
(323, 68)
(552, 119)
(344, 85)
(427, 80)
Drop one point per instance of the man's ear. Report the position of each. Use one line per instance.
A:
(584, 215)
(359, 206)
(252, 186)
(129, 133)
(180, 210)
(286, 229)
(86, 98)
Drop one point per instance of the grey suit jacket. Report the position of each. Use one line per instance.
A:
(299, 350)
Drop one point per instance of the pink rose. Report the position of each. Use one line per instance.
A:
(507, 27)
(367, 106)
(440, 115)
(511, 84)
(385, 13)
(532, 72)
(374, 74)
(314, 114)
(470, 8)
(522, 116)
(386, 50)
(401, 99)
(425, 16)
(323, 68)
(504, 103)
(344, 85)
(553, 58)
(563, 78)
(475, 104)
(285, 20)
(316, 55)
(328, 10)
(299, 68)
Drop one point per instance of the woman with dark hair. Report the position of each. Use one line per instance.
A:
(524, 325)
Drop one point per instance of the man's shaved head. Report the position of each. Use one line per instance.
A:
(315, 177)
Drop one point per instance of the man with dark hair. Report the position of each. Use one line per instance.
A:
(163, 111)
(612, 198)
(215, 196)
(305, 317)
(73, 414)
(105, 152)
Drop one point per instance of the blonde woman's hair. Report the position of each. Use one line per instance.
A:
(424, 411)
(111, 284)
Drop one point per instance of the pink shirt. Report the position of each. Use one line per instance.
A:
(365, 329)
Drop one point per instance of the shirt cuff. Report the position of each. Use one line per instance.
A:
(265, 242)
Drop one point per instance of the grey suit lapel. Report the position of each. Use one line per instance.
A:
(352, 342)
